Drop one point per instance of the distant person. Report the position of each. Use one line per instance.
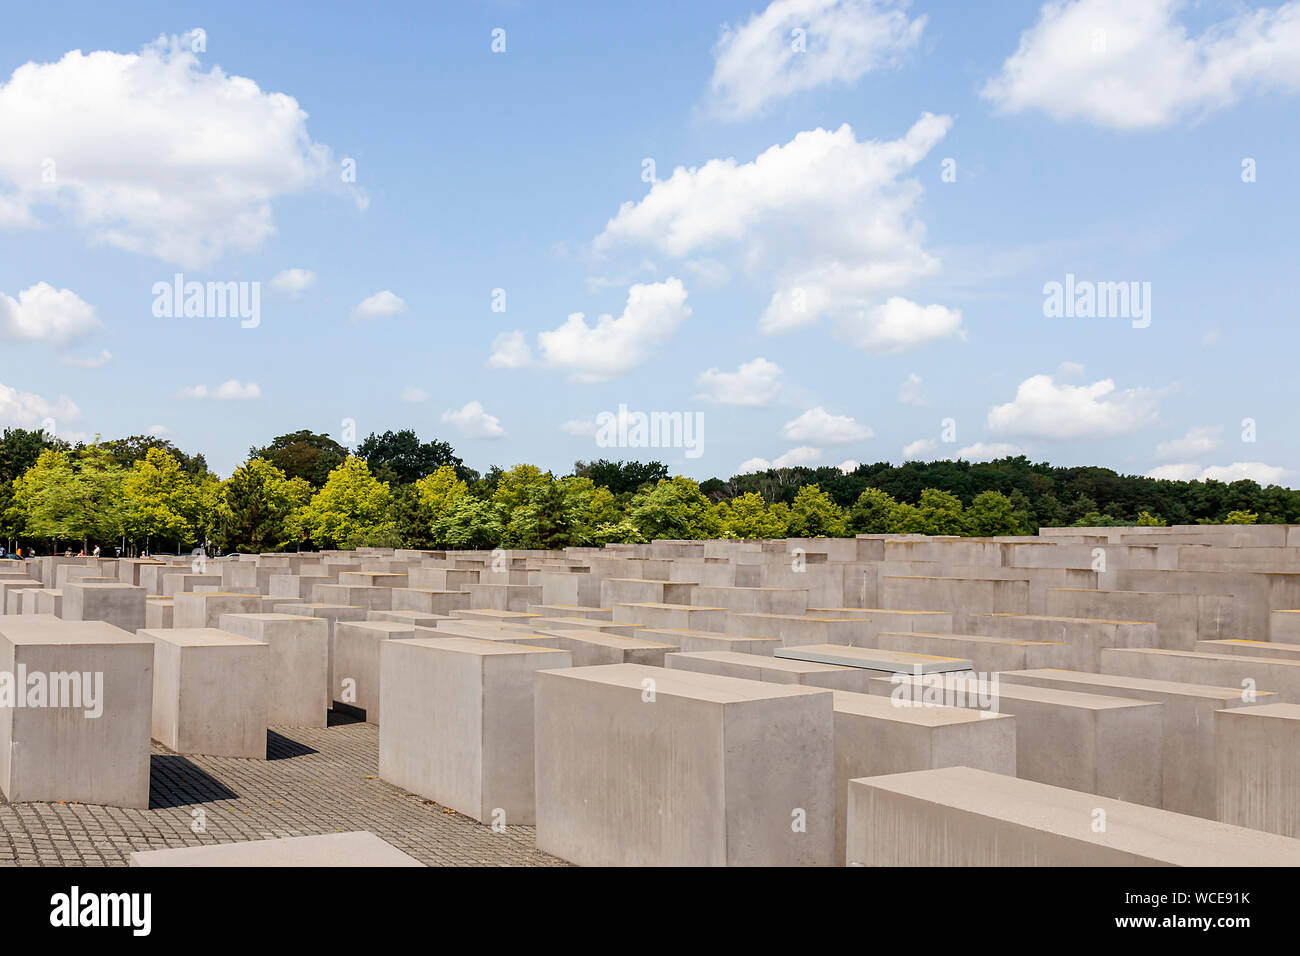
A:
(95, 553)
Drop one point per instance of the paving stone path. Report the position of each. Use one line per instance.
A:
(314, 781)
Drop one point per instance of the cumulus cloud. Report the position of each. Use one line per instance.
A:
(1196, 442)
(28, 410)
(474, 421)
(57, 317)
(150, 153)
(754, 383)
(819, 425)
(802, 455)
(911, 392)
(613, 347)
(899, 325)
(1238, 471)
(764, 60)
(414, 396)
(1044, 409)
(1128, 65)
(380, 305)
(231, 391)
(989, 451)
(510, 350)
(579, 427)
(293, 282)
(914, 451)
(826, 222)
(848, 467)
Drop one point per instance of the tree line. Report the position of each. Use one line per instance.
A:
(304, 490)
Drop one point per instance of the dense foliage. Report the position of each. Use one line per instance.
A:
(304, 490)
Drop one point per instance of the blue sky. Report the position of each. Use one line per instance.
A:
(1086, 139)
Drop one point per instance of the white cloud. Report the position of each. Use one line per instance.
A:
(414, 396)
(1196, 442)
(819, 425)
(710, 272)
(921, 447)
(1129, 65)
(231, 391)
(900, 325)
(158, 431)
(1239, 470)
(910, 392)
(848, 467)
(474, 421)
(755, 383)
(293, 282)
(379, 305)
(842, 39)
(802, 455)
(1044, 409)
(57, 317)
(1069, 370)
(94, 361)
(510, 350)
(824, 221)
(989, 451)
(28, 410)
(577, 426)
(615, 346)
(152, 154)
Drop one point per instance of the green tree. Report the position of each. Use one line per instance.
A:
(674, 509)
(400, 458)
(303, 454)
(873, 512)
(470, 523)
(254, 507)
(72, 495)
(941, 512)
(747, 516)
(814, 515)
(161, 501)
(353, 506)
(1240, 517)
(438, 494)
(1147, 520)
(992, 513)
(621, 477)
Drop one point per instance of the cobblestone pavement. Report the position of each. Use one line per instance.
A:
(314, 781)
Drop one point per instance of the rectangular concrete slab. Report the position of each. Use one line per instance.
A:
(359, 848)
(959, 816)
(642, 766)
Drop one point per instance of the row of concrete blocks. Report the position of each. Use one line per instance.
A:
(641, 765)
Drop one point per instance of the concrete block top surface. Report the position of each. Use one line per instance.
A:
(1066, 620)
(199, 637)
(978, 638)
(695, 685)
(907, 711)
(1130, 827)
(838, 611)
(477, 648)
(328, 607)
(380, 627)
(271, 617)
(662, 606)
(696, 632)
(358, 848)
(593, 636)
(873, 658)
(1199, 655)
(38, 629)
(1045, 695)
(761, 662)
(1265, 712)
(1138, 683)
